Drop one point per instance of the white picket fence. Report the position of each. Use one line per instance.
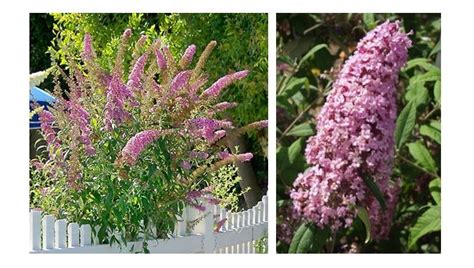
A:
(237, 235)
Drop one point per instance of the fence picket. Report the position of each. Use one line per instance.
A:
(208, 240)
(35, 229)
(73, 235)
(245, 216)
(223, 216)
(182, 223)
(85, 233)
(260, 211)
(265, 208)
(48, 232)
(60, 233)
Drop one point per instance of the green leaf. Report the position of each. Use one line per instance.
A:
(282, 158)
(436, 49)
(288, 175)
(303, 239)
(369, 20)
(432, 75)
(320, 239)
(429, 221)
(364, 217)
(374, 188)
(436, 124)
(311, 52)
(293, 86)
(432, 132)
(422, 62)
(301, 130)
(418, 93)
(437, 91)
(405, 124)
(422, 156)
(435, 190)
(295, 149)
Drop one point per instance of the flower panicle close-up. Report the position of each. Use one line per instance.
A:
(355, 136)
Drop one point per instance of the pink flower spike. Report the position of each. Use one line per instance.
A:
(135, 77)
(179, 81)
(355, 138)
(127, 33)
(244, 157)
(187, 56)
(193, 195)
(240, 75)
(186, 165)
(137, 144)
(223, 155)
(87, 52)
(142, 40)
(217, 136)
(215, 89)
(224, 106)
(160, 60)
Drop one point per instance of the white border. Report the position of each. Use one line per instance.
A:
(457, 98)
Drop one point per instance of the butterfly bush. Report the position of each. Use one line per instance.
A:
(355, 138)
(131, 146)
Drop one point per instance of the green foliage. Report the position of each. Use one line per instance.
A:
(261, 245)
(422, 156)
(364, 217)
(308, 239)
(242, 44)
(405, 124)
(429, 221)
(301, 92)
(106, 29)
(374, 188)
(224, 183)
(303, 239)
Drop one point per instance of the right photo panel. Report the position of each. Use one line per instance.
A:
(358, 133)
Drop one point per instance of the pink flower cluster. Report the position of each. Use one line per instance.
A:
(187, 56)
(87, 52)
(206, 128)
(222, 106)
(355, 137)
(135, 77)
(80, 119)
(47, 120)
(117, 96)
(160, 60)
(179, 81)
(137, 144)
(215, 89)
(196, 197)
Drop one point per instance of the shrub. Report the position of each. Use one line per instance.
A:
(127, 150)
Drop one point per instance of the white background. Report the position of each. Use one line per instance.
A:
(457, 122)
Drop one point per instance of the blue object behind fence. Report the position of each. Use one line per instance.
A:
(41, 97)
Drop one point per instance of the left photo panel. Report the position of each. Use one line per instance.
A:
(148, 133)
